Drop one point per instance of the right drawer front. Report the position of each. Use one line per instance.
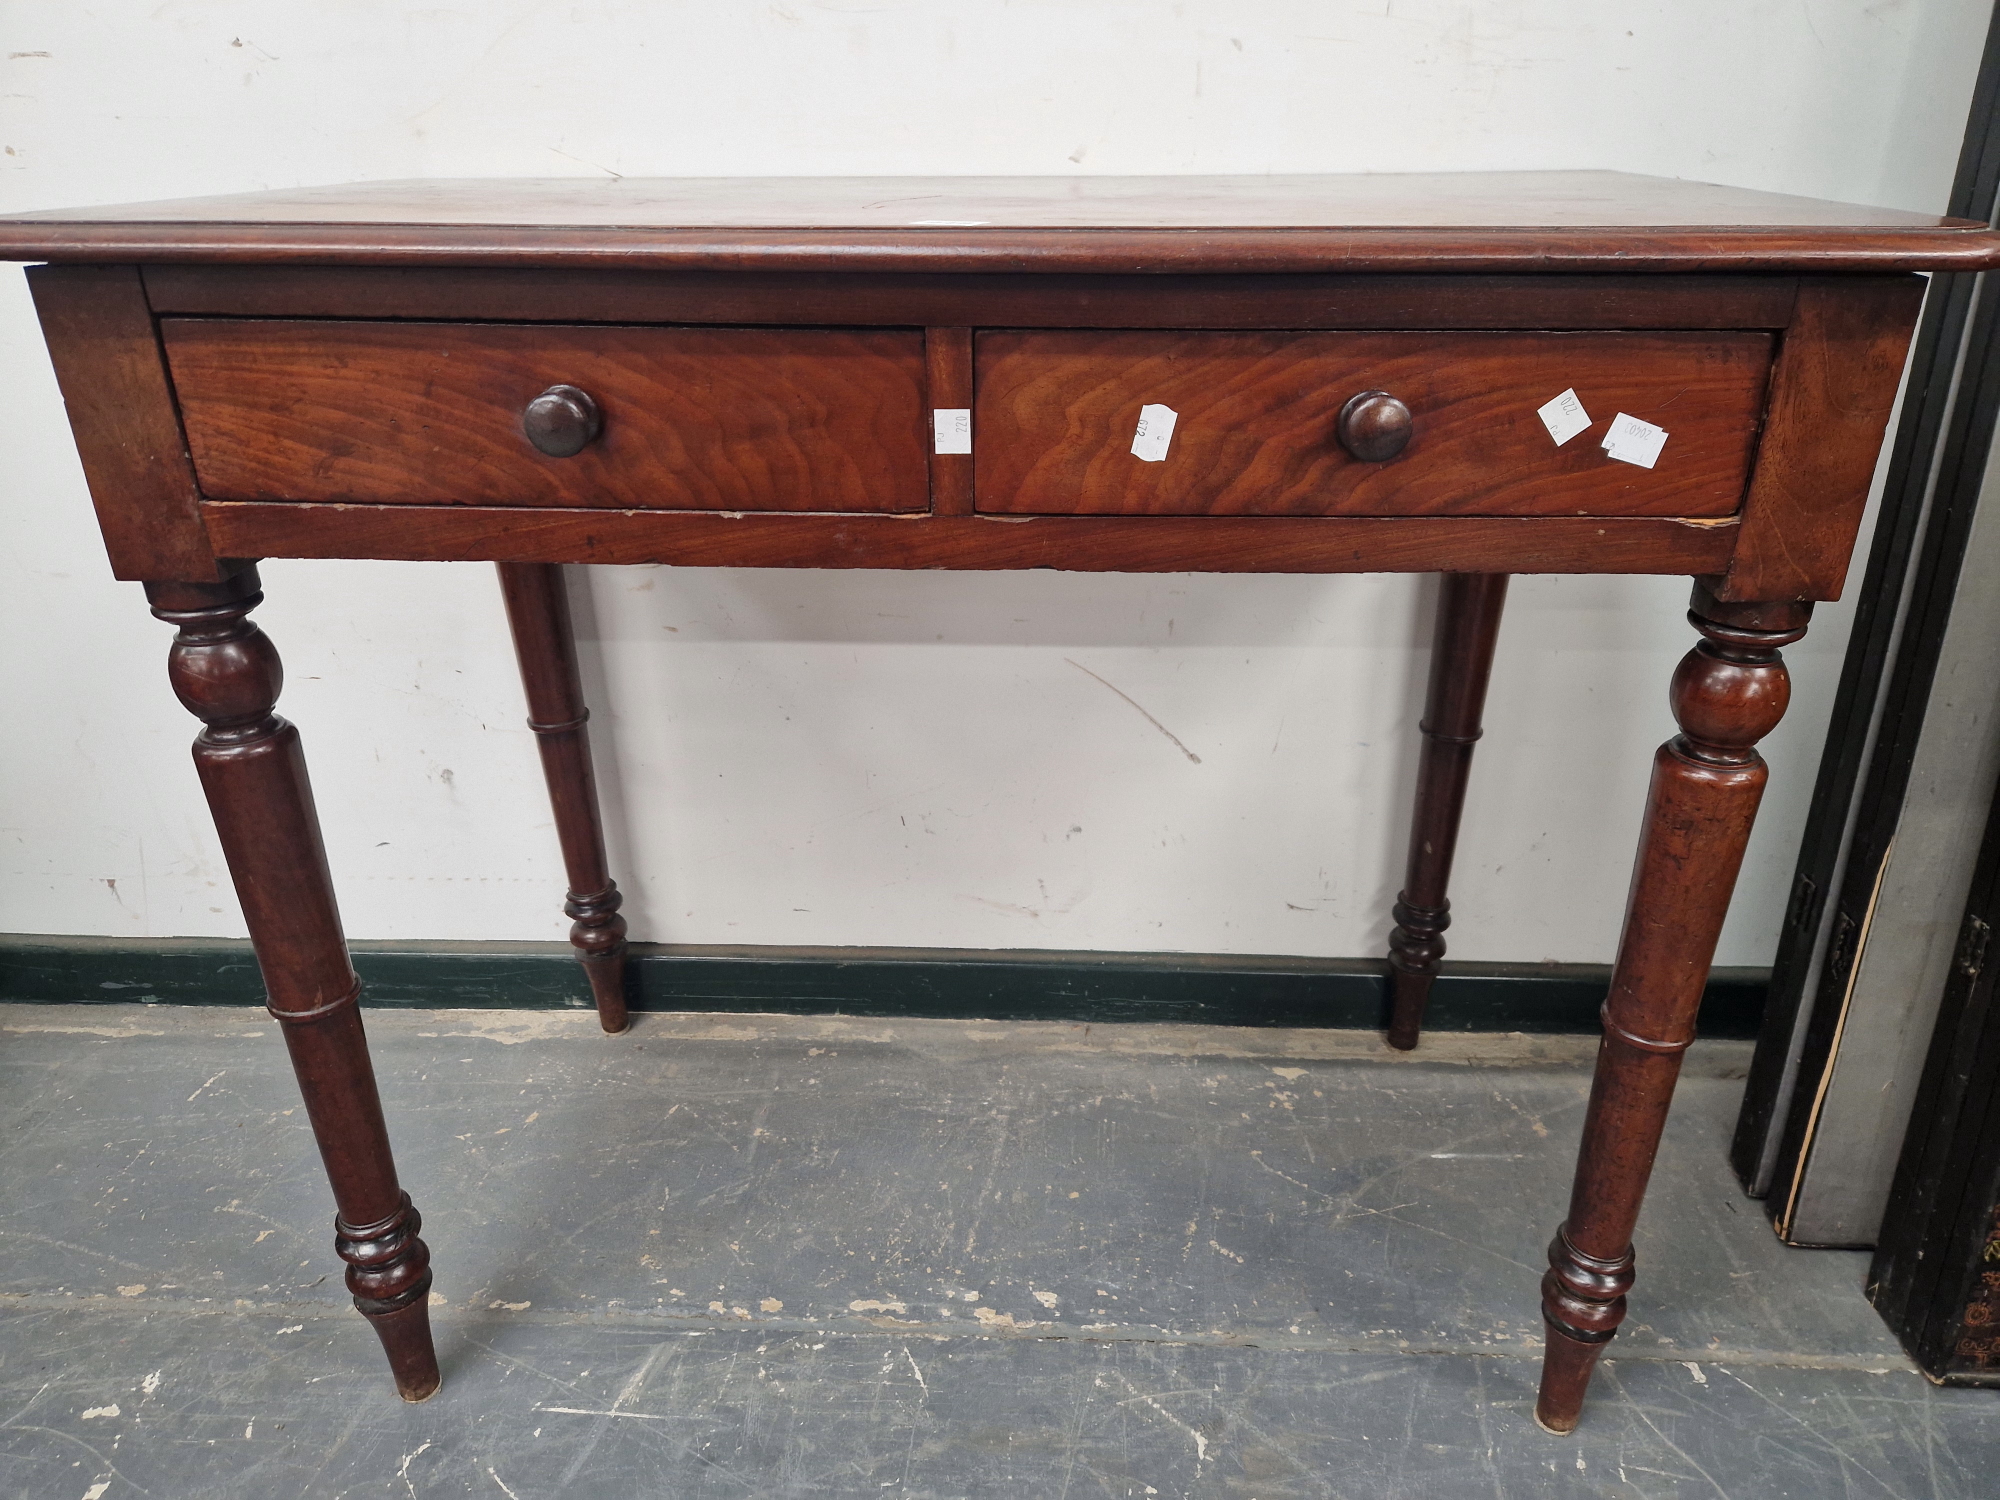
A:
(1256, 413)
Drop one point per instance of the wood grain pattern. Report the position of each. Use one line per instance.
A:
(1056, 414)
(1727, 694)
(427, 414)
(1831, 395)
(226, 672)
(352, 365)
(1383, 200)
(949, 353)
(538, 615)
(121, 412)
(1462, 644)
(1812, 251)
(1091, 544)
(1048, 300)
(1502, 221)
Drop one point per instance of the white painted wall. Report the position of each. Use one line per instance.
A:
(879, 758)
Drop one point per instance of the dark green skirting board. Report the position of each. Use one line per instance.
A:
(988, 984)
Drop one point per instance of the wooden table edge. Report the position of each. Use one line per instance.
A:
(1811, 249)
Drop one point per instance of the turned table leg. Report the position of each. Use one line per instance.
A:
(1468, 624)
(1728, 693)
(227, 673)
(545, 642)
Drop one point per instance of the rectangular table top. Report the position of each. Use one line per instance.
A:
(1462, 221)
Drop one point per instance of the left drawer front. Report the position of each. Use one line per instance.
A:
(431, 414)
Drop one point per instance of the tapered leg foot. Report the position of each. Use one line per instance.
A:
(1416, 944)
(545, 643)
(405, 1333)
(1583, 1302)
(598, 933)
(389, 1273)
(225, 670)
(1468, 626)
(1567, 1364)
(1728, 693)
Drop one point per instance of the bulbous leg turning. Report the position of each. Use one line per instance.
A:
(1727, 694)
(1583, 1302)
(253, 771)
(389, 1273)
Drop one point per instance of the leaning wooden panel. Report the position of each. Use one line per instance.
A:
(1083, 544)
(121, 410)
(1256, 418)
(432, 413)
(1831, 394)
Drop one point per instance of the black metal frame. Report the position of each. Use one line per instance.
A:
(1936, 467)
(1929, 1278)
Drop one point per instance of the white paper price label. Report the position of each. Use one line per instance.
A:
(1632, 441)
(1156, 430)
(951, 429)
(1564, 417)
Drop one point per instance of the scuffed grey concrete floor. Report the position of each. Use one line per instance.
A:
(766, 1256)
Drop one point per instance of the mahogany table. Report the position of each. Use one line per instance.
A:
(1477, 375)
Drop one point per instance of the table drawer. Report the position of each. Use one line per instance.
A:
(1255, 433)
(432, 413)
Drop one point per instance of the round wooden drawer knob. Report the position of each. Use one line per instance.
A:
(1374, 427)
(562, 421)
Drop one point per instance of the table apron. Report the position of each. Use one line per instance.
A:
(1098, 544)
